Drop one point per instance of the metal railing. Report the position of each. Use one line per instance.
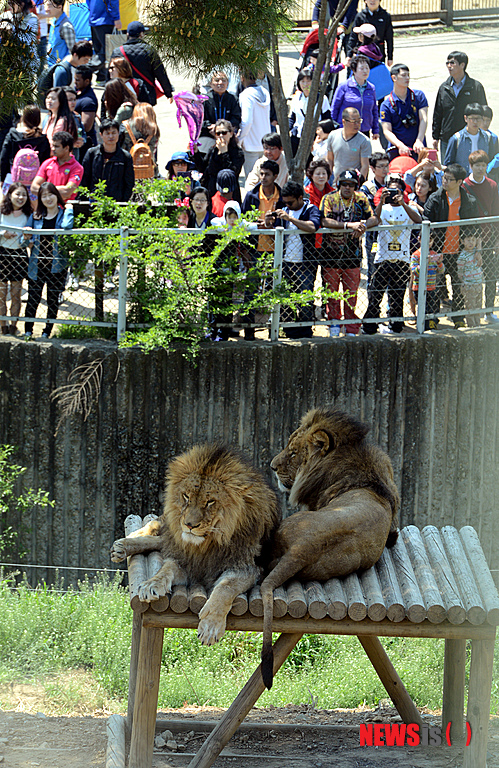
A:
(372, 291)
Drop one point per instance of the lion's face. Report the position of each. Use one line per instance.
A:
(288, 462)
(200, 505)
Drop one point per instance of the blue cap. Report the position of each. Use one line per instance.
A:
(179, 156)
(135, 28)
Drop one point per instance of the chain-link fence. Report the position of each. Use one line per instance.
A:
(271, 283)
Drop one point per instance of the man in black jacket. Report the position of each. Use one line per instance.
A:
(145, 62)
(451, 203)
(453, 96)
(110, 163)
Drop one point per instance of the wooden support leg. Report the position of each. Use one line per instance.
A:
(390, 679)
(134, 659)
(241, 705)
(482, 657)
(146, 697)
(454, 678)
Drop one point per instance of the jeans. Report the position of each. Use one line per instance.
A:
(390, 276)
(55, 285)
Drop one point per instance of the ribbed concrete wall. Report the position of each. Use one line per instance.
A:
(432, 402)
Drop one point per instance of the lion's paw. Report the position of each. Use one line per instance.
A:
(118, 551)
(152, 589)
(211, 627)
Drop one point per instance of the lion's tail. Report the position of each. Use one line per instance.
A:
(285, 569)
(267, 591)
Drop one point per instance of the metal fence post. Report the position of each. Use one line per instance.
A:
(122, 285)
(423, 274)
(276, 309)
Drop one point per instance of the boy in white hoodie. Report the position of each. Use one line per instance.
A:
(255, 119)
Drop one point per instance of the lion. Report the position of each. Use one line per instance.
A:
(349, 504)
(219, 512)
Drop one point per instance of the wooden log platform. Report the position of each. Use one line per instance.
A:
(432, 583)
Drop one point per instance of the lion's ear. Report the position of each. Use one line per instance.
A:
(321, 442)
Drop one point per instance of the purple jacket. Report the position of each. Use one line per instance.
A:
(348, 95)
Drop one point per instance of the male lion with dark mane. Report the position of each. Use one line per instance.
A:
(218, 514)
(349, 503)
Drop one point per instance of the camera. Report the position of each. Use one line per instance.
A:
(392, 194)
(409, 121)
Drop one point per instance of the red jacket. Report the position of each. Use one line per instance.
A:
(315, 196)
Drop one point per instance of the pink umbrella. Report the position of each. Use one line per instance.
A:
(190, 107)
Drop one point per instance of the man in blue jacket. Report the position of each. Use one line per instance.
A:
(470, 139)
(104, 17)
(299, 264)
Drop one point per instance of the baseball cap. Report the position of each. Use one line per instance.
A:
(135, 28)
(348, 176)
(368, 30)
(226, 181)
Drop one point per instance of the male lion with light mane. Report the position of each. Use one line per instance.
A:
(218, 514)
(349, 504)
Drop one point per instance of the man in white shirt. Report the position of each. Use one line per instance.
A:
(272, 150)
(254, 101)
(347, 147)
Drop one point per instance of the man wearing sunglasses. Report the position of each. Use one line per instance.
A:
(347, 147)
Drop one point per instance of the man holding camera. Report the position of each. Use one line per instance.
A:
(404, 116)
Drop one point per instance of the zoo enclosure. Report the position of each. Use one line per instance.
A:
(96, 296)
(446, 11)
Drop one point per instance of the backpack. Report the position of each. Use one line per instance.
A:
(46, 79)
(143, 162)
(25, 166)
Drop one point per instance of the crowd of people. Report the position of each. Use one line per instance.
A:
(72, 138)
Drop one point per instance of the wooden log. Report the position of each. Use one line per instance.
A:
(255, 601)
(280, 602)
(395, 609)
(336, 599)
(162, 604)
(376, 608)
(435, 608)
(454, 682)
(443, 575)
(297, 602)
(146, 697)
(241, 705)
(327, 626)
(179, 599)
(483, 577)
(316, 600)
(470, 594)
(240, 605)
(390, 679)
(115, 753)
(197, 597)
(480, 684)
(134, 660)
(413, 600)
(137, 566)
(356, 604)
(154, 563)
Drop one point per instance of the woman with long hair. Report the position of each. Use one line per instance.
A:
(60, 117)
(119, 101)
(27, 133)
(15, 211)
(143, 125)
(47, 264)
(121, 68)
(299, 104)
(225, 154)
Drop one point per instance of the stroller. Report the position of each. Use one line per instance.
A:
(308, 57)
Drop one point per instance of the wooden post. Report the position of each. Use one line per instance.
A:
(146, 697)
(482, 657)
(453, 698)
(394, 686)
(115, 754)
(241, 705)
(134, 659)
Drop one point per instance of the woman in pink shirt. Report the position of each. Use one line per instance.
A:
(60, 117)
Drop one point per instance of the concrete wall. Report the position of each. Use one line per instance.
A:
(432, 403)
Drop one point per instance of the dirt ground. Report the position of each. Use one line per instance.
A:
(29, 738)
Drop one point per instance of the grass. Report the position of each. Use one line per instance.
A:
(75, 646)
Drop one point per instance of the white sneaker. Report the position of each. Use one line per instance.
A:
(109, 285)
(73, 283)
(351, 334)
(334, 330)
(491, 318)
(386, 330)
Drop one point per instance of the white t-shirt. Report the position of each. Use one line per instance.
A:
(293, 244)
(394, 243)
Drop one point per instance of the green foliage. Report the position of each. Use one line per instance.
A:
(90, 628)
(178, 283)
(19, 505)
(82, 331)
(210, 34)
(17, 68)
